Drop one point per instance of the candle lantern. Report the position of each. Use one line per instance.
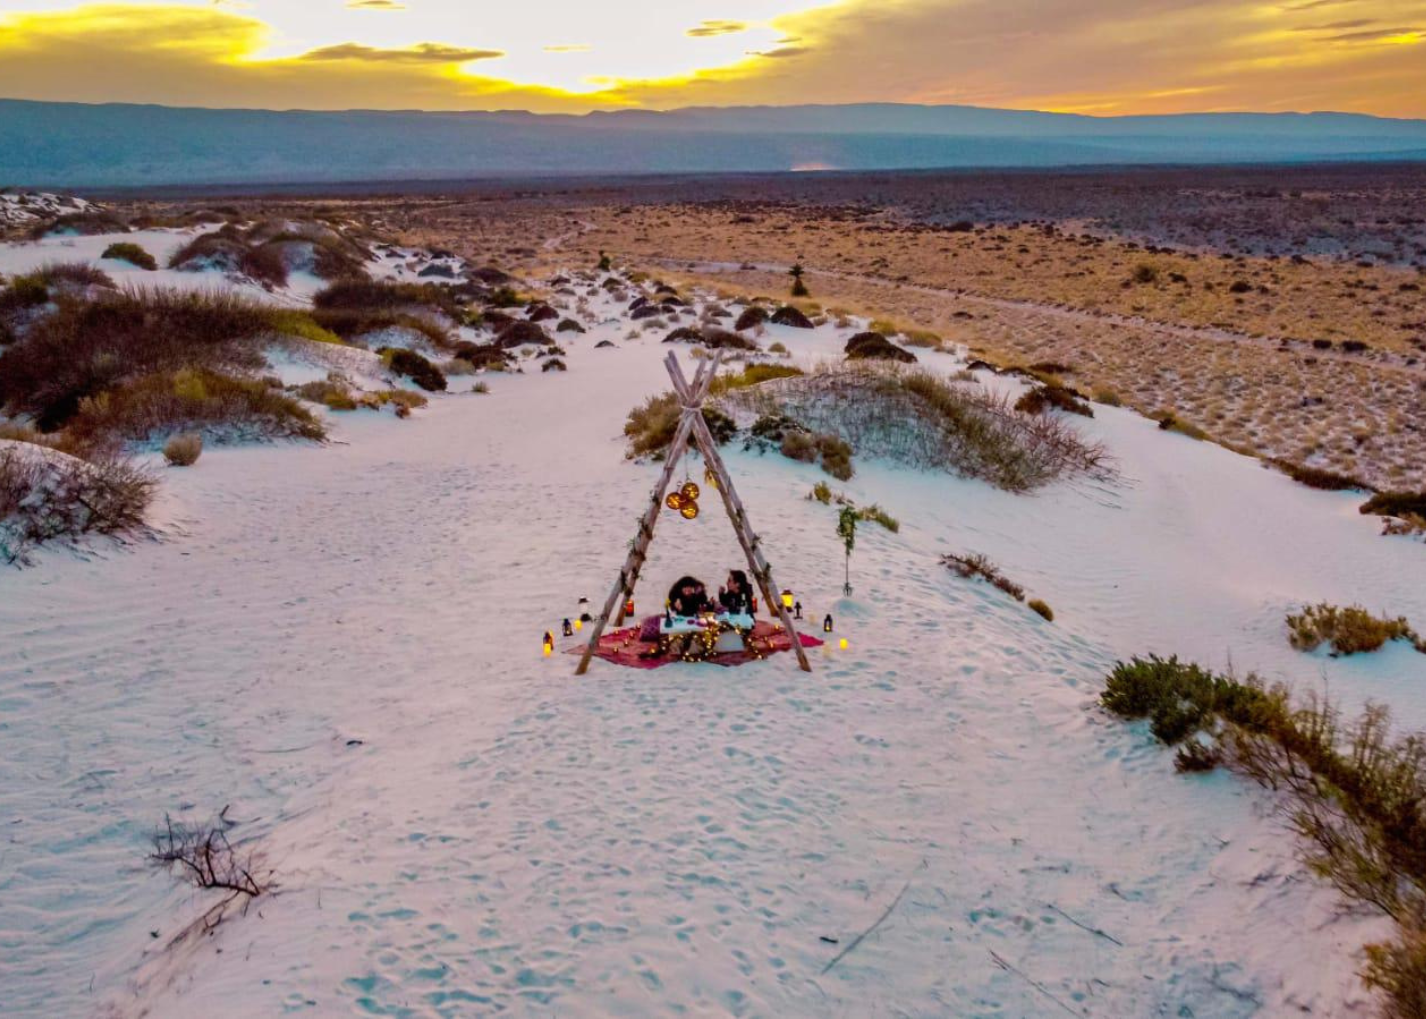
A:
(568, 628)
(549, 643)
(629, 607)
(755, 605)
(786, 598)
(827, 624)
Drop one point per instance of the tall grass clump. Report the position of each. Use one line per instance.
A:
(134, 254)
(651, 427)
(917, 417)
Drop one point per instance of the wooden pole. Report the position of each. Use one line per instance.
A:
(635, 560)
(752, 547)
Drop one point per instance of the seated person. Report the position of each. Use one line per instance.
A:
(689, 597)
(736, 597)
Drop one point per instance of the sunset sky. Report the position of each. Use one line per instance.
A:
(1108, 57)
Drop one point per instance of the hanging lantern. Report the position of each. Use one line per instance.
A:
(629, 608)
(786, 598)
(549, 643)
(568, 628)
(827, 624)
(684, 501)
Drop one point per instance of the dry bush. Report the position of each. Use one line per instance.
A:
(975, 565)
(184, 449)
(650, 428)
(1349, 631)
(75, 274)
(1317, 477)
(203, 857)
(265, 265)
(50, 497)
(85, 348)
(134, 254)
(919, 418)
(1043, 398)
(190, 399)
(1043, 609)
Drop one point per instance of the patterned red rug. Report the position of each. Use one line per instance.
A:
(623, 647)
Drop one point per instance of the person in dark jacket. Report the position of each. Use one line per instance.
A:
(688, 597)
(736, 596)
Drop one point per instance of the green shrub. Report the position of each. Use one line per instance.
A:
(752, 375)
(836, 456)
(332, 395)
(821, 492)
(415, 367)
(303, 326)
(1044, 610)
(1181, 699)
(134, 254)
(1349, 630)
(877, 515)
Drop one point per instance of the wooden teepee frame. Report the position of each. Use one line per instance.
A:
(692, 426)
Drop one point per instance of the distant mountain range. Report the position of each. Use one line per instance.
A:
(71, 145)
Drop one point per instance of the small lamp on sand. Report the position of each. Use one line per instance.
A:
(827, 624)
(568, 628)
(549, 643)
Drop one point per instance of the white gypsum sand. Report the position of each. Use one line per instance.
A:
(341, 645)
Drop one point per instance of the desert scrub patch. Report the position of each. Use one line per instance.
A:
(973, 566)
(1043, 398)
(183, 449)
(303, 326)
(1396, 504)
(1320, 478)
(1173, 423)
(84, 348)
(330, 393)
(1042, 609)
(810, 447)
(414, 366)
(650, 427)
(134, 254)
(194, 399)
(1348, 631)
(752, 375)
(1108, 397)
(46, 495)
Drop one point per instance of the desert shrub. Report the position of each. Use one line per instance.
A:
(480, 387)
(374, 295)
(47, 495)
(752, 317)
(332, 394)
(777, 348)
(218, 250)
(1316, 477)
(752, 375)
(194, 399)
(1144, 273)
(264, 264)
(1397, 969)
(24, 292)
(84, 348)
(836, 456)
(651, 427)
(1183, 699)
(876, 347)
(75, 274)
(877, 515)
(1240, 287)
(800, 446)
(821, 492)
(415, 367)
(787, 315)
(554, 364)
(1393, 504)
(975, 565)
(1108, 397)
(1349, 630)
(1171, 423)
(1042, 398)
(86, 224)
(1043, 609)
(401, 399)
(134, 254)
(770, 429)
(300, 324)
(921, 338)
(183, 449)
(921, 419)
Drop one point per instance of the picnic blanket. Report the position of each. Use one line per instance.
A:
(623, 647)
